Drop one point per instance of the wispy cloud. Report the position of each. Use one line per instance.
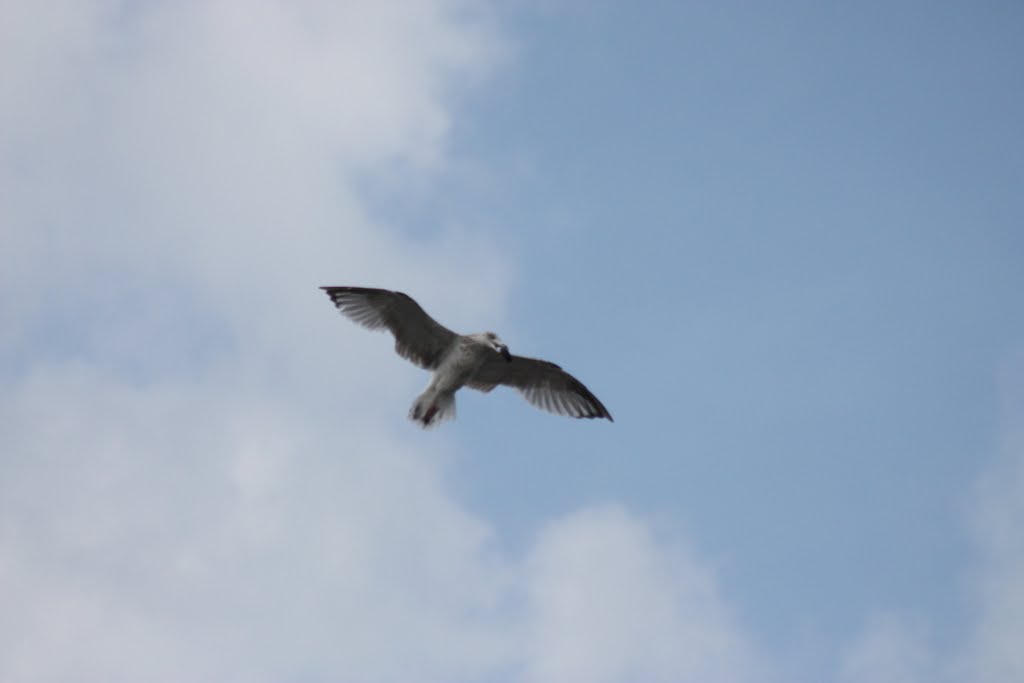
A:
(889, 649)
(993, 652)
(897, 647)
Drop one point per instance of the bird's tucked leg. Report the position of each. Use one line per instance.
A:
(432, 408)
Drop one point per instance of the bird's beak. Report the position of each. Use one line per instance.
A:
(505, 354)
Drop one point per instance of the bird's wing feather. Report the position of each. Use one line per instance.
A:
(418, 337)
(543, 384)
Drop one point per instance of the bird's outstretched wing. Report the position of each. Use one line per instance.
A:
(543, 384)
(418, 337)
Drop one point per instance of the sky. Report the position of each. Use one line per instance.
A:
(782, 243)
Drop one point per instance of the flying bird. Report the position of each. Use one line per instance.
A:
(480, 361)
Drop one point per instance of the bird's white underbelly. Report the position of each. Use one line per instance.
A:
(457, 367)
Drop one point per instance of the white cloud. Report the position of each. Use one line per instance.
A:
(608, 602)
(190, 533)
(895, 648)
(994, 650)
(195, 487)
(889, 651)
(146, 530)
(186, 533)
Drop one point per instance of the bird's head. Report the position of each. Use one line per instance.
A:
(495, 343)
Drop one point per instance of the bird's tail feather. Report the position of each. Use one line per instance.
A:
(431, 408)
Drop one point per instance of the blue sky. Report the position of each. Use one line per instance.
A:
(809, 220)
(782, 244)
(797, 232)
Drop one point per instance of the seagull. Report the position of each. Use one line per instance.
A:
(480, 361)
